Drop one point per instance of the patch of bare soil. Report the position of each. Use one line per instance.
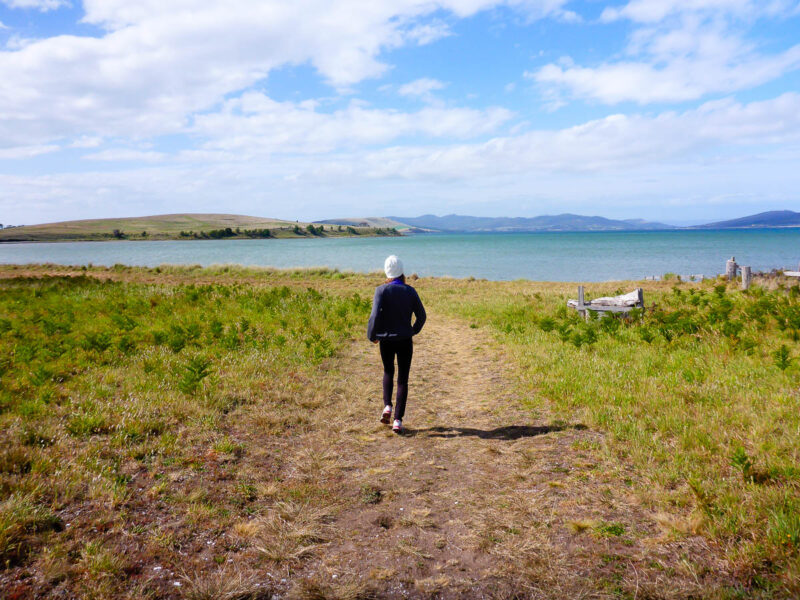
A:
(484, 496)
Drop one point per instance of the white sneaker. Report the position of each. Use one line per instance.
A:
(386, 416)
(398, 426)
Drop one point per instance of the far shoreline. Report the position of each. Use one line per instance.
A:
(373, 233)
(396, 234)
(283, 233)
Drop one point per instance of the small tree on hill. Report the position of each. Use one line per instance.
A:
(313, 230)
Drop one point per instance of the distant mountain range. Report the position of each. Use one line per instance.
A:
(563, 222)
(773, 218)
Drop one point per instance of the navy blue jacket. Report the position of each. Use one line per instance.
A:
(392, 307)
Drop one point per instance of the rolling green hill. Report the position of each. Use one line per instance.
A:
(180, 226)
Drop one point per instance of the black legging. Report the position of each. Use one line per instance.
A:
(403, 349)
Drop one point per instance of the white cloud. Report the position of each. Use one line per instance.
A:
(653, 11)
(699, 52)
(126, 155)
(256, 124)
(86, 141)
(18, 42)
(42, 5)
(679, 80)
(614, 142)
(722, 148)
(22, 152)
(160, 62)
(3, 26)
(426, 33)
(421, 88)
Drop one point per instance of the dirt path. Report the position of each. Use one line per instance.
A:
(480, 497)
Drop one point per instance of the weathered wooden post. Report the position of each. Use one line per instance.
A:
(746, 276)
(581, 310)
(730, 268)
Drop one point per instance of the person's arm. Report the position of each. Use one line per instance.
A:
(419, 312)
(373, 317)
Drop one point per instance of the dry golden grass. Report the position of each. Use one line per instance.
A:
(430, 586)
(419, 517)
(316, 589)
(225, 583)
(407, 548)
(581, 525)
(681, 526)
(291, 531)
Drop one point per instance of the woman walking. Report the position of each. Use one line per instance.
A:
(390, 324)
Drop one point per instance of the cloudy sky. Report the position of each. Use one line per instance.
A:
(675, 110)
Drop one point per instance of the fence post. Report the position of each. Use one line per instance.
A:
(746, 276)
(581, 309)
(730, 268)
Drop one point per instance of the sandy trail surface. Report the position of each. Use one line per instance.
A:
(483, 496)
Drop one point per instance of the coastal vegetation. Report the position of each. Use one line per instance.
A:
(164, 428)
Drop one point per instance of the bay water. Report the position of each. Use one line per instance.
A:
(579, 256)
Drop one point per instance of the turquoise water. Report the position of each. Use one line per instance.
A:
(596, 256)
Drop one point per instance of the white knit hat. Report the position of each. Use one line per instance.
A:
(393, 267)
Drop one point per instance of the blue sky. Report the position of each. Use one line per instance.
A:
(672, 110)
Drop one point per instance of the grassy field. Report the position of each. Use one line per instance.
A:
(166, 433)
(183, 226)
(699, 394)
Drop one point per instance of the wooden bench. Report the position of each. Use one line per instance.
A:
(626, 303)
